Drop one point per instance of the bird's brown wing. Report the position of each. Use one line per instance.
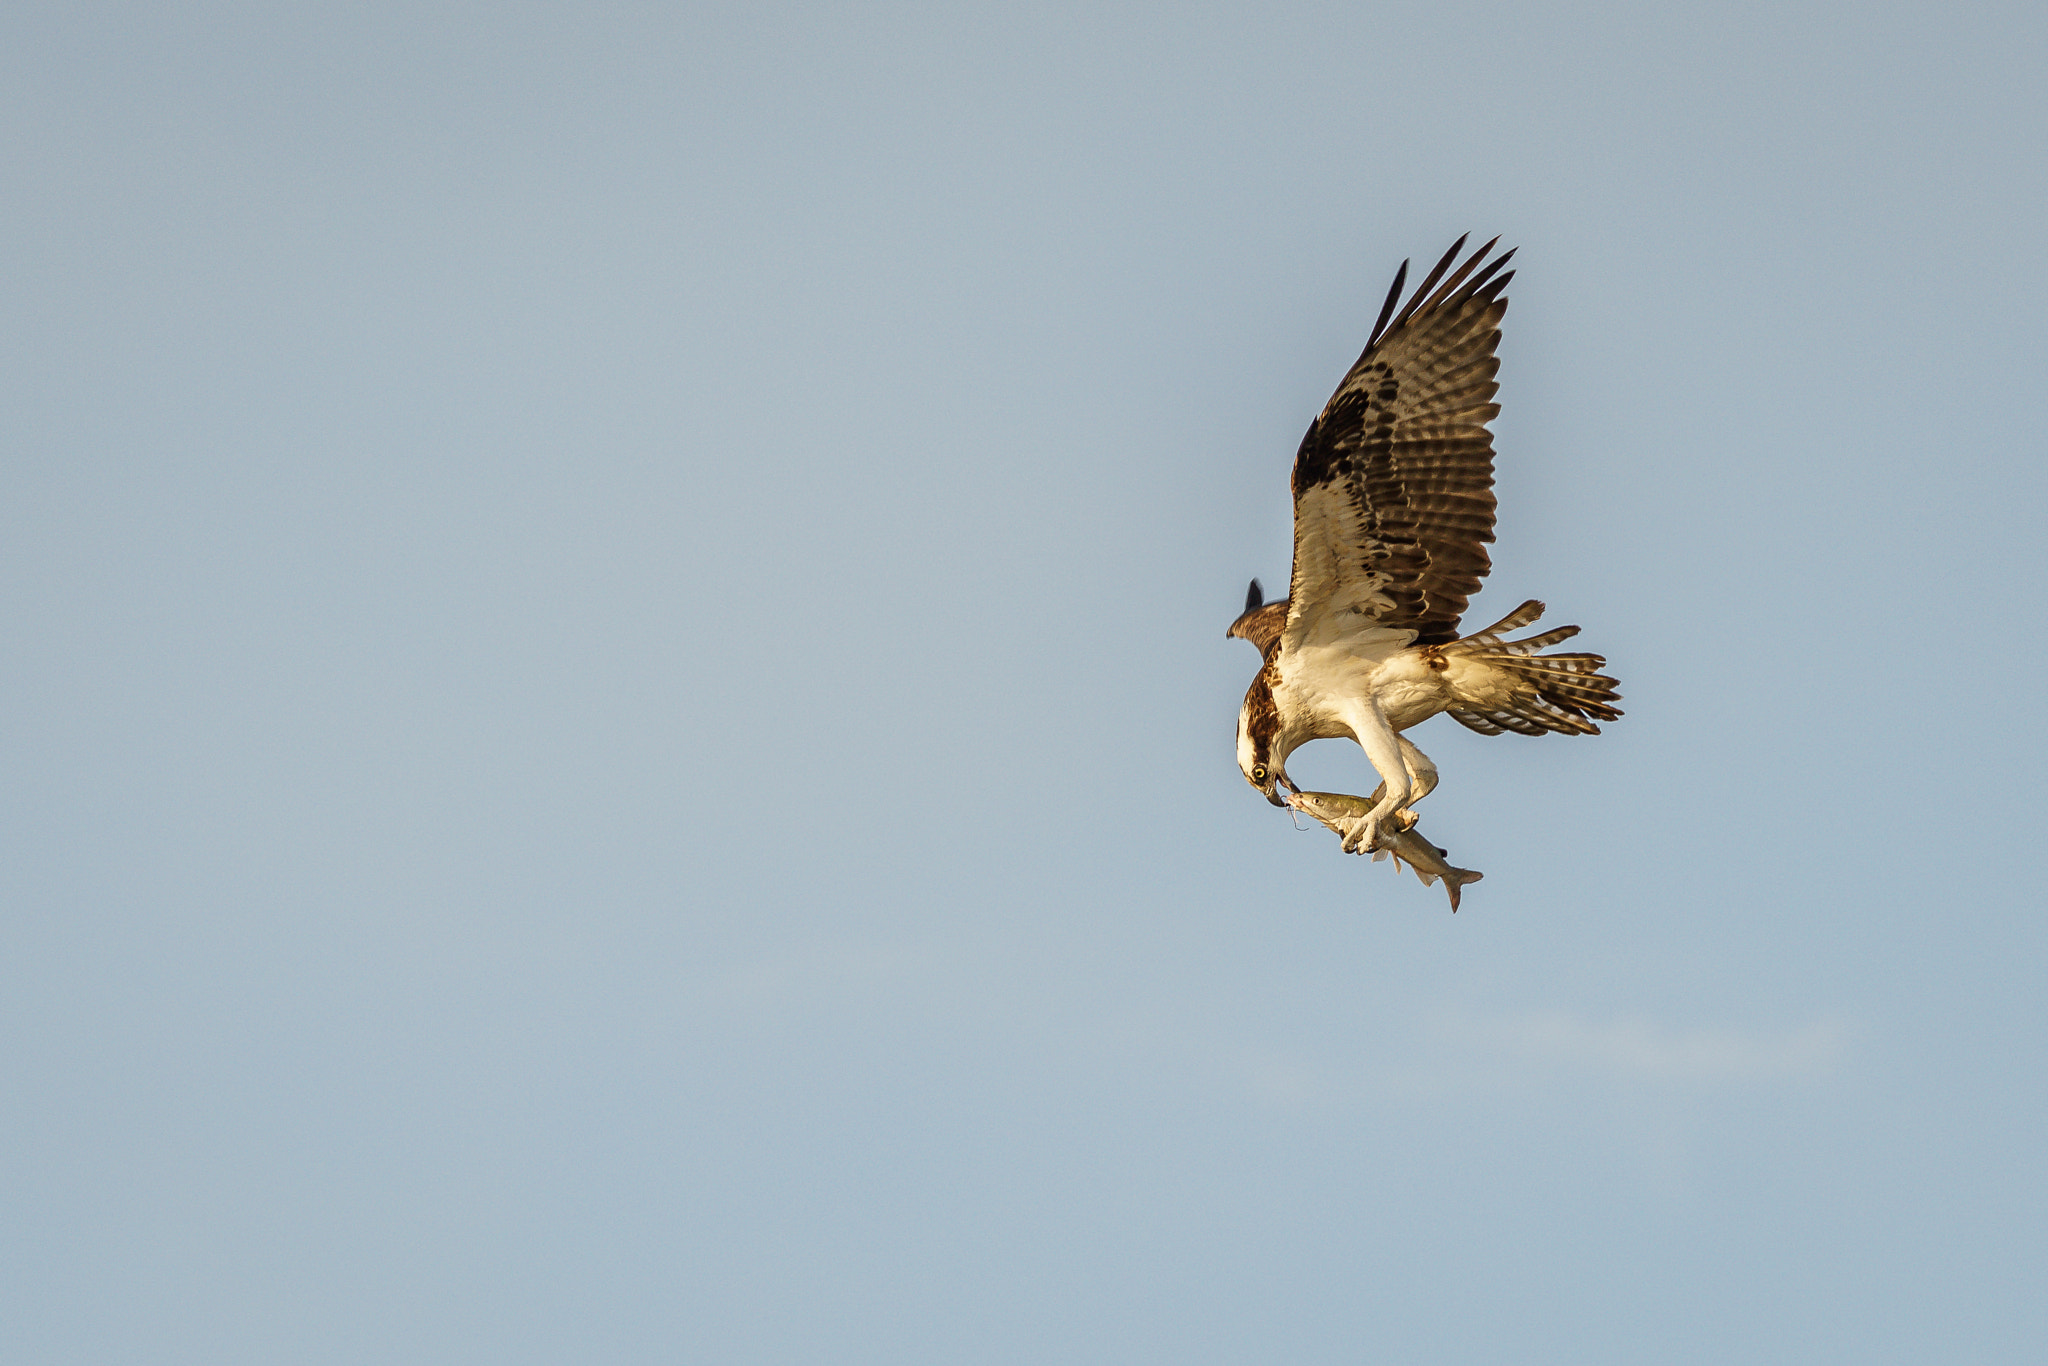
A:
(1261, 622)
(1393, 485)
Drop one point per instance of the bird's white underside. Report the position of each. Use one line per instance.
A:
(1371, 685)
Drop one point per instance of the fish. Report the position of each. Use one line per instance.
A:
(1339, 809)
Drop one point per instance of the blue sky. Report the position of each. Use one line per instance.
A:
(620, 735)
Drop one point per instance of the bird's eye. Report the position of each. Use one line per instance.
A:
(1259, 774)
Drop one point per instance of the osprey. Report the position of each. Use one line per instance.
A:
(1393, 507)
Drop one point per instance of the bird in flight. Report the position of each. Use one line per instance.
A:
(1393, 510)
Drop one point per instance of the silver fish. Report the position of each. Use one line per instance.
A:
(1339, 809)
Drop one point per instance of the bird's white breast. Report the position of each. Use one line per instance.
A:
(1322, 683)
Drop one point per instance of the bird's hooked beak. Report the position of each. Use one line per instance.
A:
(1279, 780)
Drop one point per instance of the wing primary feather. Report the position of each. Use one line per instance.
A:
(1480, 289)
(1387, 308)
(1254, 597)
(1435, 274)
(1450, 286)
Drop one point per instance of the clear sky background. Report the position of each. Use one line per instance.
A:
(618, 732)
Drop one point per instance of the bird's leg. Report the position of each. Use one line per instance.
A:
(1382, 746)
(1421, 774)
(1421, 782)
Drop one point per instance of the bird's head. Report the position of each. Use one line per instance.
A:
(1262, 768)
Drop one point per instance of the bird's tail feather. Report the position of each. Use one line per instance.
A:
(1561, 694)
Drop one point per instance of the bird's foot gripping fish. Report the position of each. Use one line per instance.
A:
(1340, 811)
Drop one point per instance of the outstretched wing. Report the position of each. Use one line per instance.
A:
(1393, 485)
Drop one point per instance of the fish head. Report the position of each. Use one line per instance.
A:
(1328, 806)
